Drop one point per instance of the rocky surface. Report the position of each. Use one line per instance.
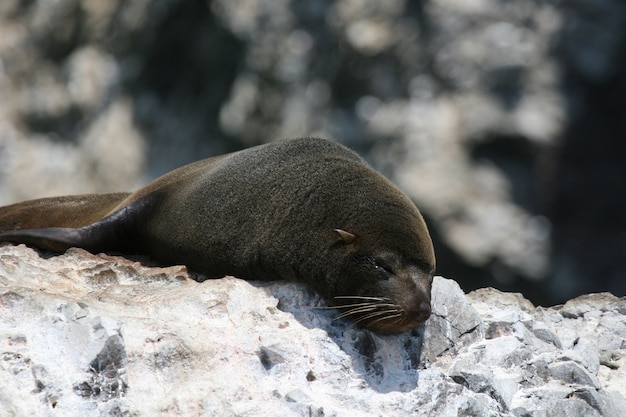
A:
(503, 119)
(102, 335)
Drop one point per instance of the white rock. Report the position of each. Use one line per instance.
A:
(101, 335)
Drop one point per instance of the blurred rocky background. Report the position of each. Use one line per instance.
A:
(504, 120)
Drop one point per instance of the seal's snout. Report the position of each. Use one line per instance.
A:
(416, 304)
(419, 313)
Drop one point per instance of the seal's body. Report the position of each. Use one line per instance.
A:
(305, 210)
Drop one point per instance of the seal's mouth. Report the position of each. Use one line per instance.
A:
(380, 314)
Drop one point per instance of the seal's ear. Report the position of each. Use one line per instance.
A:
(344, 236)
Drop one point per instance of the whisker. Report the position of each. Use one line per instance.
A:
(341, 306)
(355, 305)
(369, 317)
(389, 311)
(377, 305)
(387, 305)
(363, 298)
(356, 311)
(375, 314)
(393, 316)
(371, 310)
(359, 307)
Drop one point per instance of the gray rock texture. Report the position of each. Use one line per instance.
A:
(503, 119)
(102, 335)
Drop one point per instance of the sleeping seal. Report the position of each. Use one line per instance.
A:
(306, 210)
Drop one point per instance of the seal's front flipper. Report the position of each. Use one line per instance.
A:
(116, 232)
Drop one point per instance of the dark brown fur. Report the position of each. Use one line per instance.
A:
(304, 210)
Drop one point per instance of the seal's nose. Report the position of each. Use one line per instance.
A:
(420, 312)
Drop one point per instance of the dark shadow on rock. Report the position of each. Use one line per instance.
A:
(107, 373)
(387, 363)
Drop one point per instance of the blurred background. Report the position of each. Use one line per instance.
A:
(504, 120)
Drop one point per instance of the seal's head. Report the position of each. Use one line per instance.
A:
(386, 268)
(382, 289)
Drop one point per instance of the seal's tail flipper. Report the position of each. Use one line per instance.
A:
(55, 239)
(68, 211)
(59, 223)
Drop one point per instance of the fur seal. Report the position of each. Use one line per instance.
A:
(306, 210)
